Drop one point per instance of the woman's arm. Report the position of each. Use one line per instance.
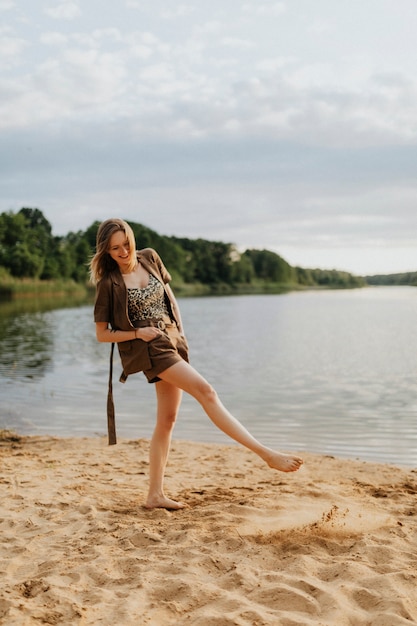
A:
(107, 335)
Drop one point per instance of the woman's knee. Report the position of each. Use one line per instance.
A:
(166, 421)
(206, 393)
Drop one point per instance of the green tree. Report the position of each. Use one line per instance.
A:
(269, 266)
(16, 253)
(303, 277)
(242, 270)
(39, 241)
(24, 263)
(336, 279)
(75, 253)
(210, 261)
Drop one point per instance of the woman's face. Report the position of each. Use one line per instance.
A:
(119, 250)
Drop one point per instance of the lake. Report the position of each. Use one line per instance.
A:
(332, 372)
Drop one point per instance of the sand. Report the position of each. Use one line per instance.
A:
(334, 544)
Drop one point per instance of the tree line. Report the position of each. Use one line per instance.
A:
(403, 278)
(28, 249)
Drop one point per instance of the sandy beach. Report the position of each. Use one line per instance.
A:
(334, 544)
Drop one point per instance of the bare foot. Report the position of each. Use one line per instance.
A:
(162, 502)
(283, 462)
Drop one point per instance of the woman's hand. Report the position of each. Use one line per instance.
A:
(148, 333)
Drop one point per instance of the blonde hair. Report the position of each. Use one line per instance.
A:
(102, 264)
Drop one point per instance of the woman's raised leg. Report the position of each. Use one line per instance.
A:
(168, 403)
(185, 377)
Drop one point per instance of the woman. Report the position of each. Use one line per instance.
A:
(136, 308)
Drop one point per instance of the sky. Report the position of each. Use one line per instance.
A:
(289, 126)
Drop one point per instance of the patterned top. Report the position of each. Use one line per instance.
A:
(146, 303)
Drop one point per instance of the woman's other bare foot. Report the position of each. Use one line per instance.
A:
(283, 462)
(162, 502)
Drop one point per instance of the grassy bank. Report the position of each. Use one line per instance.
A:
(12, 288)
(28, 287)
(18, 296)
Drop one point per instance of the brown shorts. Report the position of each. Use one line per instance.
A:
(166, 350)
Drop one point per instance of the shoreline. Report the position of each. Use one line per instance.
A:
(13, 435)
(333, 543)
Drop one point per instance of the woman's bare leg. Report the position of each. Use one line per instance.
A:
(185, 377)
(169, 400)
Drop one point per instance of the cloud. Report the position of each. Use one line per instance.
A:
(236, 42)
(170, 92)
(180, 10)
(7, 5)
(63, 11)
(60, 88)
(11, 47)
(272, 9)
(211, 82)
(320, 26)
(53, 39)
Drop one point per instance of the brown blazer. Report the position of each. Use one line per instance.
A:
(111, 306)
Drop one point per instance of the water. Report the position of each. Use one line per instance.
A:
(332, 372)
